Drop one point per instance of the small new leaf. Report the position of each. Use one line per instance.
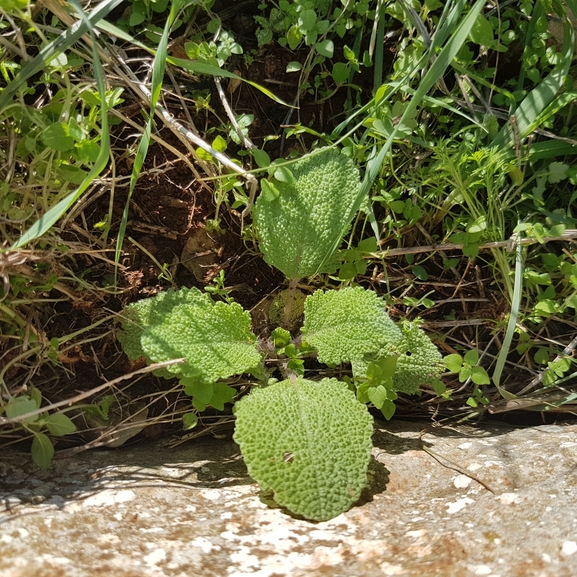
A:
(269, 191)
(454, 362)
(189, 421)
(18, 406)
(479, 376)
(377, 395)
(42, 450)
(471, 357)
(59, 424)
(388, 409)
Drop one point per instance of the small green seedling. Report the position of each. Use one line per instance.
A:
(354, 261)
(468, 368)
(57, 424)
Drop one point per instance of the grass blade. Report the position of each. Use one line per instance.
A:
(47, 220)
(441, 63)
(530, 109)
(190, 65)
(156, 87)
(57, 46)
(515, 304)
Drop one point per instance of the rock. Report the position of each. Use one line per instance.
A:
(200, 253)
(150, 511)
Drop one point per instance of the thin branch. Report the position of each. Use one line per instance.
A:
(176, 126)
(245, 140)
(568, 235)
(86, 394)
(448, 464)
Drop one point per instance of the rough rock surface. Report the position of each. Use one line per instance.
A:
(148, 511)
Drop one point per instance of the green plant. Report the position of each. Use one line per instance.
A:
(36, 422)
(218, 288)
(461, 142)
(467, 368)
(347, 326)
(301, 218)
(355, 262)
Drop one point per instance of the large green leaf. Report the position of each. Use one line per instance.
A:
(348, 324)
(214, 338)
(303, 214)
(307, 442)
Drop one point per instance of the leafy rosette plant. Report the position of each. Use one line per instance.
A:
(307, 442)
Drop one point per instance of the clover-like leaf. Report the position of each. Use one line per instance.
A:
(42, 450)
(59, 424)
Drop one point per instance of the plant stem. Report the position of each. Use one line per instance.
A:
(290, 301)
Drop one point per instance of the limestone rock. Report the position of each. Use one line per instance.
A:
(150, 511)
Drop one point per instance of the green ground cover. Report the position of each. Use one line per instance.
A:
(154, 145)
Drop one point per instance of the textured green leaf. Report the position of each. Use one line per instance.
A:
(308, 442)
(300, 228)
(419, 361)
(346, 325)
(214, 338)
